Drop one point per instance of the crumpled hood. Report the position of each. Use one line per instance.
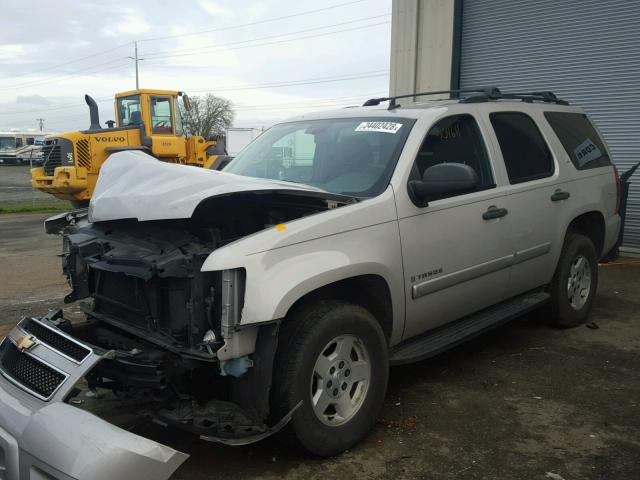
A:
(135, 185)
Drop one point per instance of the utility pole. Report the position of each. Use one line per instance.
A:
(40, 123)
(137, 81)
(136, 60)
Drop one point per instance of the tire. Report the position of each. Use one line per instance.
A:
(574, 283)
(315, 339)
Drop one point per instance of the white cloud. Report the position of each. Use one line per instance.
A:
(33, 100)
(216, 10)
(11, 52)
(97, 52)
(257, 10)
(130, 22)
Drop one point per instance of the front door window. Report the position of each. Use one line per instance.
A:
(161, 121)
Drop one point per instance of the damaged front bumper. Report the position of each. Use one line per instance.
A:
(42, 437)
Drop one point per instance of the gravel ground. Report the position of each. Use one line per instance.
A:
(525, 401)
(15, 186)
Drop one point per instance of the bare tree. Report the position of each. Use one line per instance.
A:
(209, 116)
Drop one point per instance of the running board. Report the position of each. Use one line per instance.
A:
(448, 336)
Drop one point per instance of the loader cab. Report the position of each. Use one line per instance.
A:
(158, 114)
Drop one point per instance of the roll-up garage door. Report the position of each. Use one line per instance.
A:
(585, 51)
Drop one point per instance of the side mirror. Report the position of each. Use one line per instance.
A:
(443, 180)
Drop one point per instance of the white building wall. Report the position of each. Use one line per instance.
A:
(421, 45)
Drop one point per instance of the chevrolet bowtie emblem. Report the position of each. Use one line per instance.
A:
(25, 343)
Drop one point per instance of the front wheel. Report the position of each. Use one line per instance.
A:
(332, 356)
(574, 284)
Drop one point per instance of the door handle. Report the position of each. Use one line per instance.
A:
(559, 195)
(493, 212)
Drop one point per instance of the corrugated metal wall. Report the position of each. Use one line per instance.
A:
(586, 51)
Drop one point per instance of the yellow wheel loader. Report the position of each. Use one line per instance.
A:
(147, 120)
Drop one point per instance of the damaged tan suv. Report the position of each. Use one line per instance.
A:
(273, 295)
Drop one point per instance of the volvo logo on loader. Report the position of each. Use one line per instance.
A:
(110, 139)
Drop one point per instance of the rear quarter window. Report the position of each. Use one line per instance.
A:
(579, 139)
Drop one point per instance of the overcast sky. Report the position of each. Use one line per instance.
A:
(320, 54)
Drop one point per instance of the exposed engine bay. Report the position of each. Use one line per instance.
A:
(160, 322)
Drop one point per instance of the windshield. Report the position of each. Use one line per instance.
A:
(351, 156)
(7, 143)
(129, 111)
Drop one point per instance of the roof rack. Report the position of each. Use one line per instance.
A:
(484, 95)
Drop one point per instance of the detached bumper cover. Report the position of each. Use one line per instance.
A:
(48, 436)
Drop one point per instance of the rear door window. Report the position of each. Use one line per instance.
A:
(525, 153)
(580, 139)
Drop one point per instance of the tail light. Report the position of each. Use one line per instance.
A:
(618, 188)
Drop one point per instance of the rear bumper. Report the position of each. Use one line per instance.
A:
(65, 442)
(612, 233)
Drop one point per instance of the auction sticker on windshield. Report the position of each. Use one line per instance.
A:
(385, 127)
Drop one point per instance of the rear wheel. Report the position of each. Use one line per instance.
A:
(574, 284)
(332, 356)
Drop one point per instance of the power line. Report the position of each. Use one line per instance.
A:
(296, 83)
(250, 24)
(307, 81)
(59, 107)
(19, 86)
(151, 39)
(309, 106)
(272, 43)
(82, 73)
(328, 102)
(269, 37)
(53, 67)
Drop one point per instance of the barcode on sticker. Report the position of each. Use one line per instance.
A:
(385, 127)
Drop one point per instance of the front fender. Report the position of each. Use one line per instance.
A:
(277, 278)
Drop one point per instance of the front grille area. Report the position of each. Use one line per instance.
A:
(28, 371)
(52, 156)
(52, 338)
(83, 156)
(162, 303)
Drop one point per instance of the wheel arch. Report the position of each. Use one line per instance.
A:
(591, 224)
(370, 291)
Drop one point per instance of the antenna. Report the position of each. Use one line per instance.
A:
(40, 123)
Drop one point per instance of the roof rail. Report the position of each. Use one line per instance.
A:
(484, 95)
(488, 92)
(543, 96)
